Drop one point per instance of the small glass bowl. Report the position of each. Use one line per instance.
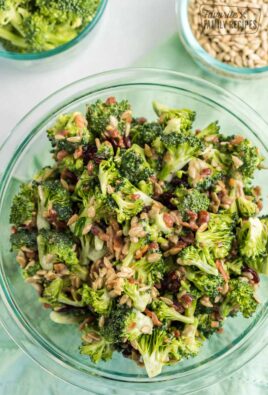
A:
(56, 347)
(202, 57)
(37, 57)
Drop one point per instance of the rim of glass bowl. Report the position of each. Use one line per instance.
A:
(196, 50)
(61, 48)
(47, 355)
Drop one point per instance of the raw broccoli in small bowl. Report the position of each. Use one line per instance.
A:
(146, 234)
(34, 26)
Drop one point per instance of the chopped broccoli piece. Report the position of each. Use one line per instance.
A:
(208, 284)
(145, 133)
(23, 238)
(106, 116)
(108, 175)
(259, 263)
(211, 130)
(252, 238)
(219, 235)
(201, 258)
(190, 200)
(205, 325)
(134, 165)
(202, 175)
(124, 323)
(23, 206)
(181, 149)
(55, 247)
(239, 298)
(96, 346)
(139, 298)
(165, 114)
(168, 313)
(54, 200)
(98, 300)
(69, 132)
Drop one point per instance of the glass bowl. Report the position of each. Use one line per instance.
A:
(67, 48)
(202, 57)
(55, 347)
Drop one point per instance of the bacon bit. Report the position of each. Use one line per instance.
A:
(237, 140)
(215, 324)
(127, 116)
(46, 305)
(259, 205)
(110, 100)
(153, 316)
(220, 330)
(220, 267)
(203, 217)
(141, 120)
(95, 230)
(13, 229)
(90, 167)
(168, 220)
(177, 333)
(59, 267)
(141, 251)
(80, 121)
(135, 196)
(257, 191)
(78, 152)
(61, 154)
(205, 172)
(153, 246)
(186, 300)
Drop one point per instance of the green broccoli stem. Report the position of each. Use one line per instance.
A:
(13, 38)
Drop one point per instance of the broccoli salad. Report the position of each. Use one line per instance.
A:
(42, 25)
(147, 234)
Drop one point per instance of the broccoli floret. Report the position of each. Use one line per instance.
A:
(108, 116)
(221, 161)
(52, 291)
(235, 266)
(181, 149)
(69, 132)
(55, 247)
(84, 188)
(156, 350)
(250, 157)
(124, 323)
(98, 300)
(30, 270)
(105, 151)
(201, 258)
(190, 200)
(208, 284)
(259, 263)
(23, 206)
(91, 250)
(165, 114)
(108, 175)
(54, 200)
(145, 133)
(242, 204)
(205, 325)
(239, 298)
(202, 175)
(129, 200)
(252, 238)
(209, 131)
(146, 187)
(189, 343)
(23, 238)
(168, 313)
(149, 272)
(95, 345)
(219, 235)
(139, 298)
(134, 165)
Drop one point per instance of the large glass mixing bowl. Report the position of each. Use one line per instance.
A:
(55, 347)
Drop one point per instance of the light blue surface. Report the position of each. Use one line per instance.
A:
(20, 376)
